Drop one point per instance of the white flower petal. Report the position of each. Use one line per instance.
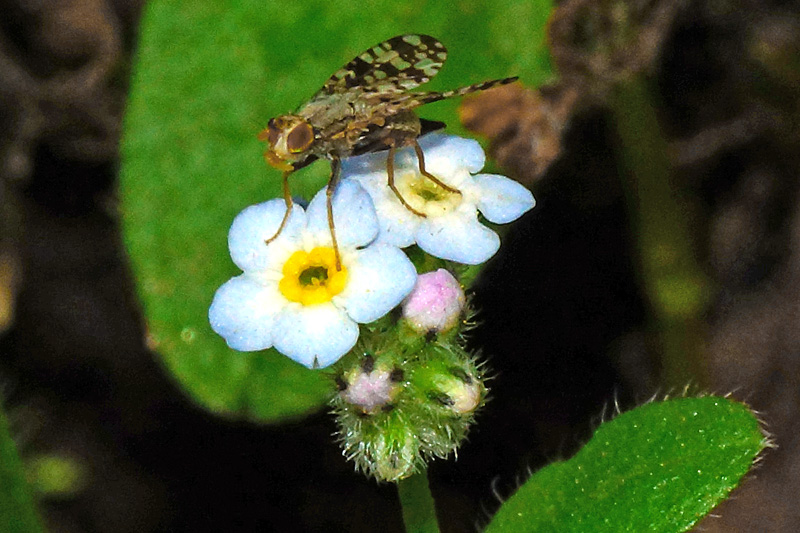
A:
(315, 336)
(243, 312)
(254, 226)
(353, 216)
(398, 224)
(379, 277)
(373, 182)
(502, 199)
(458, 237)
(449, 152)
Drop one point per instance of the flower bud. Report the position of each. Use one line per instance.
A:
(435, 304)
(394, 456)
(370, 386)
(400, 405)
(463, 393)
(451, 384)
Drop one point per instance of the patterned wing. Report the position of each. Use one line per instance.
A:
(388, 103)
(398, 64)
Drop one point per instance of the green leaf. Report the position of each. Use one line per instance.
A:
(207, 77)
(660, 468)
(17, 509)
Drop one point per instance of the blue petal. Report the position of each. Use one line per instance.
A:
(254, 226)
(379, 277)
(458, 237)
(502, 199)
(457, 151)
(315, 336)
(398, 225)
(353, 216)
(243, 312)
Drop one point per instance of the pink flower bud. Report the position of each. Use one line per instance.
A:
(370, 391)
(435, 304)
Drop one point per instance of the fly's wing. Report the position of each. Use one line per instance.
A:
(394, 101)
(390, 103)
(386, 104)
(396, 65)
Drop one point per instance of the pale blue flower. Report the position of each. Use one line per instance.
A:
(450, 228)
(291, 295)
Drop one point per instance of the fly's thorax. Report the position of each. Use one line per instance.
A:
(291, 138)
(332, 109)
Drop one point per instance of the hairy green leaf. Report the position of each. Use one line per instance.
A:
(659, 468)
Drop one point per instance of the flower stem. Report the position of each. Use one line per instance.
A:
(419, 511)
(677, 288)
(17, 510)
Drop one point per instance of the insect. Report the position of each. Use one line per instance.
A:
(366, 106)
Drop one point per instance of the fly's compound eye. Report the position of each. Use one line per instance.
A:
(300, 138)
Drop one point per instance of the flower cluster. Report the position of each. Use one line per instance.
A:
(409, 390)
(295, 297)
(397, 408)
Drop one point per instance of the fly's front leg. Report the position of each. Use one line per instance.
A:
(287, 198)
(332, 183)
(437, 181)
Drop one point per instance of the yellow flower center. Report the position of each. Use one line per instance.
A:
(311, 278)
(426, 196)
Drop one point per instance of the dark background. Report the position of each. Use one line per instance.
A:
(564, 325)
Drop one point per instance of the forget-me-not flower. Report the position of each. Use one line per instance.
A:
(291, 294)
(450, 228)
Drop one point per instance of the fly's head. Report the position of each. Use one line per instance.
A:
(290, 139)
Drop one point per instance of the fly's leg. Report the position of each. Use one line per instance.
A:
(437, 181)
(392, 186)
(287, 197)
(332, 183)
